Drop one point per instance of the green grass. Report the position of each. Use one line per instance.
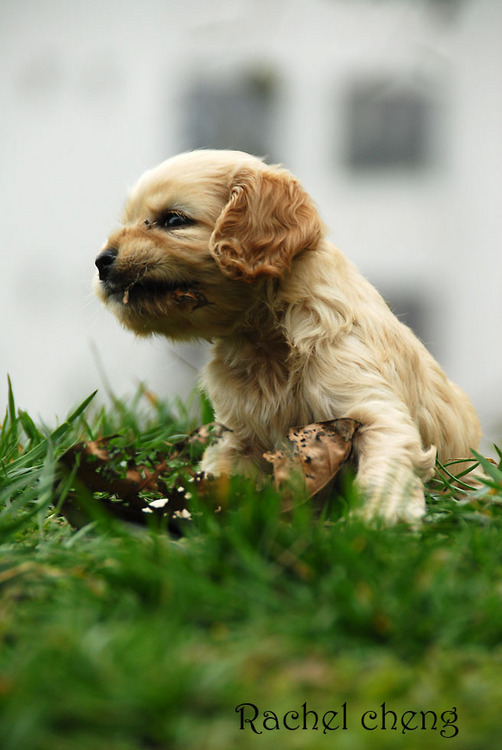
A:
(119, 637)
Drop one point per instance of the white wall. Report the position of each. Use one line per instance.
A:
(92, 94)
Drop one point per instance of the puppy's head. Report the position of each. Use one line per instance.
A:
(201, 234)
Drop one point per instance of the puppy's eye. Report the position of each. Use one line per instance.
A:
(173, 220)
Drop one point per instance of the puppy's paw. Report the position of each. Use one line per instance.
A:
(399, 498)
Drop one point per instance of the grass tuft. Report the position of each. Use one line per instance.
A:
(122, 637)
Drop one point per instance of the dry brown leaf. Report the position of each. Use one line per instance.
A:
(315, 454)
(192, 297)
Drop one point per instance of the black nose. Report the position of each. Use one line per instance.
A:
(105, 260)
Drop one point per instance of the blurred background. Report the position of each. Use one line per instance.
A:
(389, 111)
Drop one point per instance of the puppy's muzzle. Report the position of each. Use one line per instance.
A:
(105, 261)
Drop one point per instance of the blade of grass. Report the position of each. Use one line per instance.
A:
(60, 431)
(490, 469)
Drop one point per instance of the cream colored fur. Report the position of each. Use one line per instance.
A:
(298, 334)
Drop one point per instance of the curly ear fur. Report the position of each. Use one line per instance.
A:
(268, 219)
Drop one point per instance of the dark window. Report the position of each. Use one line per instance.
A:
(236, 113)
(388, 126)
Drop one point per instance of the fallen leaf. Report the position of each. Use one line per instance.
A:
(190, 296)
(315, 454)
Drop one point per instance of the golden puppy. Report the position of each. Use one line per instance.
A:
(217, 245)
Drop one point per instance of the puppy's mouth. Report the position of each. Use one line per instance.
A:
(142, 290)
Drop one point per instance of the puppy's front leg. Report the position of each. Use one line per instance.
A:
(392, 466)
(227, 456)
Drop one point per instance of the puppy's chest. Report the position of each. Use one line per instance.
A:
(257, 395)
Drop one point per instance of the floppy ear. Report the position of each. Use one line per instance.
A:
(268, 219)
